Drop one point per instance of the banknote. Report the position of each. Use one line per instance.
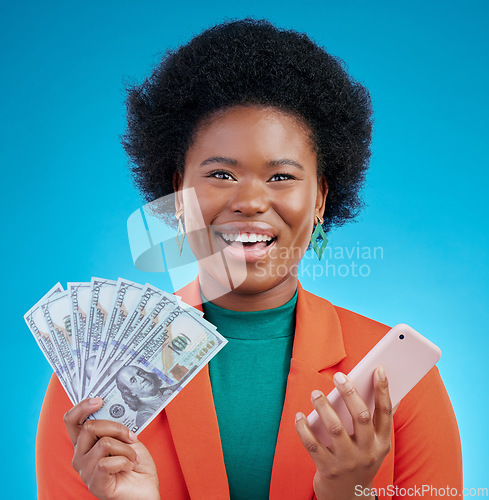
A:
(125, 299)
(136, 336)
(133, 345)
(37, 325)
(79, 295)
(101, 294)
(57, 312)
(148, 379)
(147, 300)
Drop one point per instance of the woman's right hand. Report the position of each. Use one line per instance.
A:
(110, 459)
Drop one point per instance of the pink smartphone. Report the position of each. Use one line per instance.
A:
(407, 357)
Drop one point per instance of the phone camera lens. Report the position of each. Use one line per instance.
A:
(401, 336)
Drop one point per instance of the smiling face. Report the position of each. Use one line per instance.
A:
(254, 172)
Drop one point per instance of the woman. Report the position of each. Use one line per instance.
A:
(273, 137)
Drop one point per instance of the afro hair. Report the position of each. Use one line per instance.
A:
(251, 62)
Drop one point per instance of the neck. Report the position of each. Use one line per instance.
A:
(247, 298)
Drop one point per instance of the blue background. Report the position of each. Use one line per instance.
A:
(66, 192)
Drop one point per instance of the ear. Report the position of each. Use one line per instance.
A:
(322, 194)
(177, 188)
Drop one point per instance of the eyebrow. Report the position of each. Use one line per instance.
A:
(232, 161)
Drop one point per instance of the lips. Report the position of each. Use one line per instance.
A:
(249, 241)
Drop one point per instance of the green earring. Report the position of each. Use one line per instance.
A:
(180, 231)
(318, 238)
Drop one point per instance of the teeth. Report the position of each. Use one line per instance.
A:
(246, 237)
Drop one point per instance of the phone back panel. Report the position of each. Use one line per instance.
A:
(407, 357)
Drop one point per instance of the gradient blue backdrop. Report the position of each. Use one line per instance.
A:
(66, 193)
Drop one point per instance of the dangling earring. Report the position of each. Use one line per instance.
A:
(319, 235)
(180, 231)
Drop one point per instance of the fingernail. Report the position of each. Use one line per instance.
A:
(95, 401)
(316, 394)
(381, 373)
(132, 436)
(299, 416)
(339, 378)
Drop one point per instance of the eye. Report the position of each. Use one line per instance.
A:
(221, 174)
(281, 177)
(133, 380)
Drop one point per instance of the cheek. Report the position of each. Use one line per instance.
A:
(200, 210)
(192, 210)
(202, 205)
(194, 222)
(298, 212)
(294, 249)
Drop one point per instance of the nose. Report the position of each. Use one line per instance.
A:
(250, 198)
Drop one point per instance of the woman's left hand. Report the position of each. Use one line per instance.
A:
(347, 468)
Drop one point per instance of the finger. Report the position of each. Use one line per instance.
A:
(341, 441)
(321, 455)
(110, 447)
(76, 416)
(360, 414)
(93, 430)
(103, 481)
(104, 447)
(383, 412)
(91, 433)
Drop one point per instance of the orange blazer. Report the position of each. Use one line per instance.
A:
(184, 438)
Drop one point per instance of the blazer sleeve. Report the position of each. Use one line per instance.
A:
(56, 477)
(427, 442)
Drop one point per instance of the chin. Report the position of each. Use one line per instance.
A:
(254, 285)
(255, 281)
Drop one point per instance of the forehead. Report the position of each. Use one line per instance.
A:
(128, 372)
(260, 126)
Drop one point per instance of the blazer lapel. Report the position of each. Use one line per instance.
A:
(194, 428)
(318, 345)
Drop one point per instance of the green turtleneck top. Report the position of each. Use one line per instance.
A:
(248, 378)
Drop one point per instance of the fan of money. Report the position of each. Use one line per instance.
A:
(133, 345)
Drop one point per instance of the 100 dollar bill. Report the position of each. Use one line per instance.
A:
(40, 330)
(151, 376)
